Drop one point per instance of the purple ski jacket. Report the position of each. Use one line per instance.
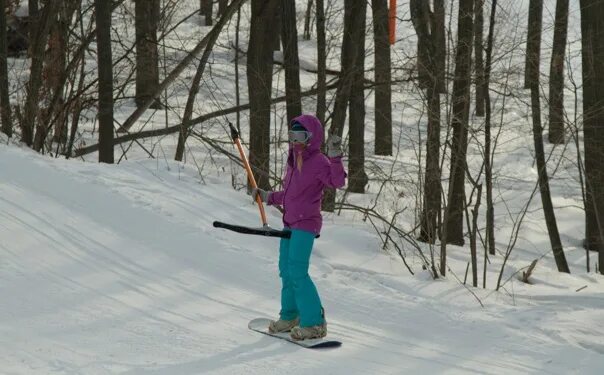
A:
(303, 190)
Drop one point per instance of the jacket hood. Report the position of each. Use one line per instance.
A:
(313, 125)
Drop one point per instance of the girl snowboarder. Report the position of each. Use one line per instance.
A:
(308, 172)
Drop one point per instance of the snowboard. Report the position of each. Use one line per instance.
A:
(261, 325)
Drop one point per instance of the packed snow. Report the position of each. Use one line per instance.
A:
(117, 269)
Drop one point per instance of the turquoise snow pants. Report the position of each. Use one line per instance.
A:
(299, 297)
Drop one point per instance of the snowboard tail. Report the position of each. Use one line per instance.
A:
(261, 325)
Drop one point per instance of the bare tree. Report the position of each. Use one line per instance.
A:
(168, 80)
(59, 66)
(54, 73)
(488, 166)
(321, 62)
(533, 42)
(348, 57)
(276, 25)
(556, 74)
(434, 51)
(592, 31)
(357, 177)
(453, 217)
(427, 29)
(532, 65)
(222, 6)
(383, 91)
(289, 36)
(205, 10)
(188, 113)
(38, 44)
(350, 49)
(440, 43)
(478, 51)
(259, 76)
(180, 67)
(5, 115)
(147, 58)
(307, 18)
(105, 68)
(32, 21)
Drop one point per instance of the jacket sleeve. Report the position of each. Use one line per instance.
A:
(332, 173)
(276, 197)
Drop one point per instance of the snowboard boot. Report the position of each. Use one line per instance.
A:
(276, 326)
(314, 332)
(305, 333)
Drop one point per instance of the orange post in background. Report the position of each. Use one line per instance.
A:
(392, 21)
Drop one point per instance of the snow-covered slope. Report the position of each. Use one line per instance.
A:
(116, 269)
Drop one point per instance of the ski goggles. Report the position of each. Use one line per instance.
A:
(299, 136)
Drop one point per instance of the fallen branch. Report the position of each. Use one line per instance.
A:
(176, 128)
(526, 274)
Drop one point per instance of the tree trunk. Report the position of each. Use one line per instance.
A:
(260, 76)
(453, 229)
(473, 230)
(357, 178)
(307, 18)
(556, 75)
(432, 184)
(420, 17)
(105, 69)
(592, 42)
(440, 45)
(532, 64)
(289, 35)
(67, 11)
(55, 76)
(38, 45)
(488, 168)
(222, 5)
(383, 91)
(546, 199)
(53, 69)
(277, 27)
(428, 33)
(344, 89)
(147, 58)
(533, 42)
(321, 63)
(431, 46)
(347, 58)
(32, 21)
(5, 115)
(478, 51)
(205, 10)
(76, 108)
